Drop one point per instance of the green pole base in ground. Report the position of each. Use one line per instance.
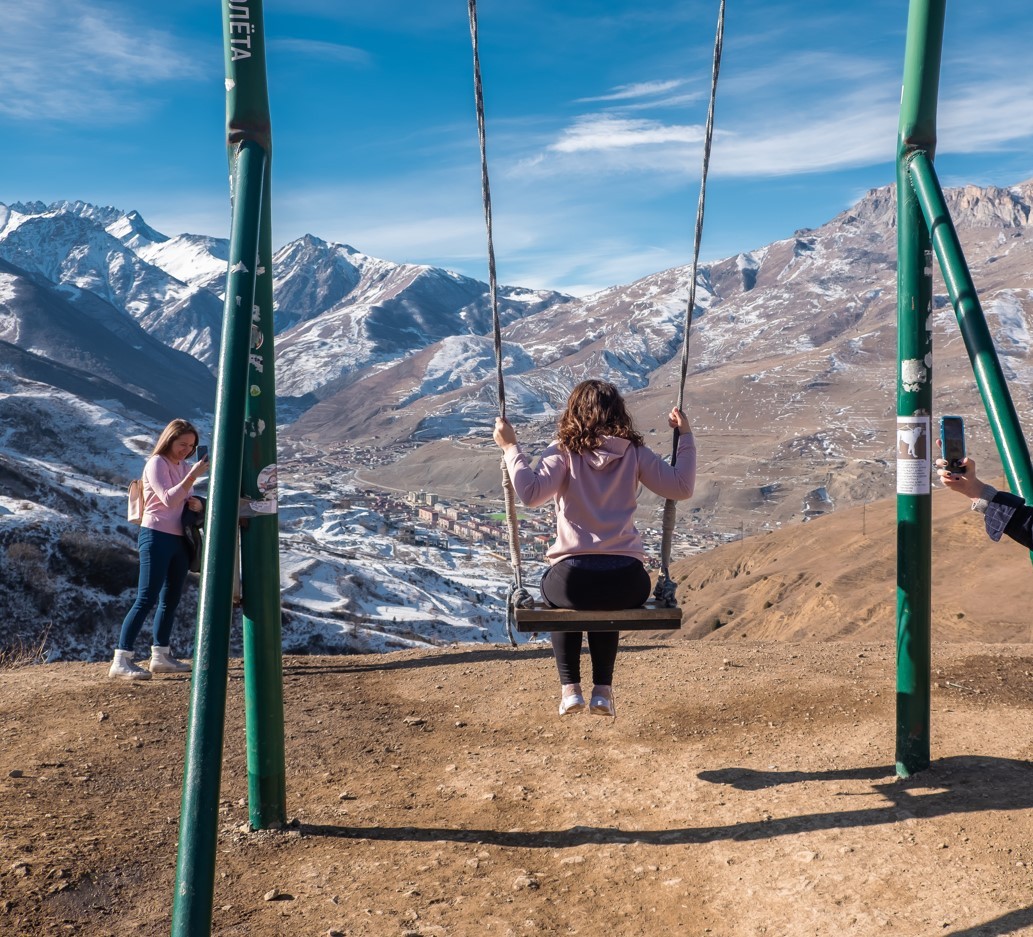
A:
(202, 769)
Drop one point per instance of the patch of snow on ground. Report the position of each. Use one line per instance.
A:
(346, 576)
(1007, 315)
(7, 287)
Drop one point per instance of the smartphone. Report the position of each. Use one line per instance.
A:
(952, 442)
(201, 453)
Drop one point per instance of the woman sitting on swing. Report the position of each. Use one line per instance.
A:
(593, 470)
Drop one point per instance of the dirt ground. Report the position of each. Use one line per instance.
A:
(743, 789)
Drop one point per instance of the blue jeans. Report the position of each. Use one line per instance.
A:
(164, 564)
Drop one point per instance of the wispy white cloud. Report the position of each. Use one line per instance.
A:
(849, 126)
(861, 134)
(94, 73)
(607, 132)
(318, 49)
(674, 100)
(807, 75)
(643, 89)
(815, 112)
(986, 116)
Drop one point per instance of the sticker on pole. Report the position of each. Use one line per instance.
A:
(913, 454)
(266, 503)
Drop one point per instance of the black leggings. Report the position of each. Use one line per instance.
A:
(602, 647)
(603, 583)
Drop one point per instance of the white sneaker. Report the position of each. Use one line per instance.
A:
(122, 667)
(163, 662)
(602, 702)
(571, 699)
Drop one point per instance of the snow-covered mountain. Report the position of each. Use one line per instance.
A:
(196, 259)
(339, 311)
(824, 298)
(83, 338)
(790, 392)
(92, 252)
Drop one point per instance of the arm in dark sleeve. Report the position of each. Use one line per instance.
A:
(1019, 526)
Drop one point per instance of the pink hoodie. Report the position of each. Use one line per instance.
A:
(596, 493)
(165, 491)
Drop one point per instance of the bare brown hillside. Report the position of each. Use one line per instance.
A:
(834, 578)
(747, 786)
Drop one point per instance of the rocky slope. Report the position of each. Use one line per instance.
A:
(791, 388)
(790, 391)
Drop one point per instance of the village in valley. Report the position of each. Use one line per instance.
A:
(425, 518)
(422, 518)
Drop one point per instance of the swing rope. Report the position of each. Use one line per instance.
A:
(664, 591)
(665, 587)
(518, 596)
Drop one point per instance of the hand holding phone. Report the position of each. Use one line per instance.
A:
(952, 442)
(202, 453)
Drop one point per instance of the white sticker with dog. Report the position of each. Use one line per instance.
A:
(913, 455)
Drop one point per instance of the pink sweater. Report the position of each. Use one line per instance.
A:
(165, 491)
(596, 493)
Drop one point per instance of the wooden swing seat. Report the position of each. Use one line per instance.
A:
(650, 617)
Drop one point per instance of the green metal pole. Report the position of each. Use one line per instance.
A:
(260, 562)
(917, 131)
(249, 141)
(993, 387)
(202, 769)
(247, 118)
(247, 91)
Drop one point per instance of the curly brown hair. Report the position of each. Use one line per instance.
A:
(171, 433)
(594, 409)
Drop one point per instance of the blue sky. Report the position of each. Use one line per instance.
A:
(595, 111)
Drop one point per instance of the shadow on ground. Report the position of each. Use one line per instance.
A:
(961, 784)
(1011, 923)
(376, 662)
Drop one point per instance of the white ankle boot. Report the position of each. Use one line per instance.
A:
(163, 662)
(572, 699)
(602, 702)
(122, 666)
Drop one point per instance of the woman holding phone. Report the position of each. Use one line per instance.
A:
(168, 481)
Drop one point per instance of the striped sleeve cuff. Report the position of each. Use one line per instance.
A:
(985, 497)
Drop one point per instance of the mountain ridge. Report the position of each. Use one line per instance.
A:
(790, 394)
